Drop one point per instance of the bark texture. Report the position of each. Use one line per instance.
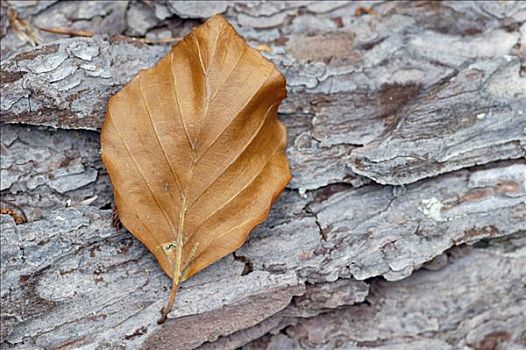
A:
(404, 225)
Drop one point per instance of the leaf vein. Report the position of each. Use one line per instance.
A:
(245, 146)
(211, 100)
(238, 113)
(176, 96)
(159, 244)
(166, 217)
(236, 194)
(205, 72)
(231, 199)
(148, 112)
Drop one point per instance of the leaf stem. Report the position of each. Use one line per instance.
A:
(178, 262)
(173, 292)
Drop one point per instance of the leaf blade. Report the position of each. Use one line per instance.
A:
(195, 151)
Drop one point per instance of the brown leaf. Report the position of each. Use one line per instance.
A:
(195, 151)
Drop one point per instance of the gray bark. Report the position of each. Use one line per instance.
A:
(404, 224)
(491, 272)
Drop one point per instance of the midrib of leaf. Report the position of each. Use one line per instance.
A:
(182, 211)
(176, 279)
(207, 87)
(245, 146)
(193, 147)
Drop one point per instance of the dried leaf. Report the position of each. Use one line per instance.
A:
(195, 151)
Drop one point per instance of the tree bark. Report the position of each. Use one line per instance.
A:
(404, 224)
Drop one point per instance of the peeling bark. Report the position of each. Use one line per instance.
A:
(73, 260)
(403, 226)
(441, 309)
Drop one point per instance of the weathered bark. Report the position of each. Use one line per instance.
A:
(72, 266)
(432, 310)
(43, 170)
(407, 138)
